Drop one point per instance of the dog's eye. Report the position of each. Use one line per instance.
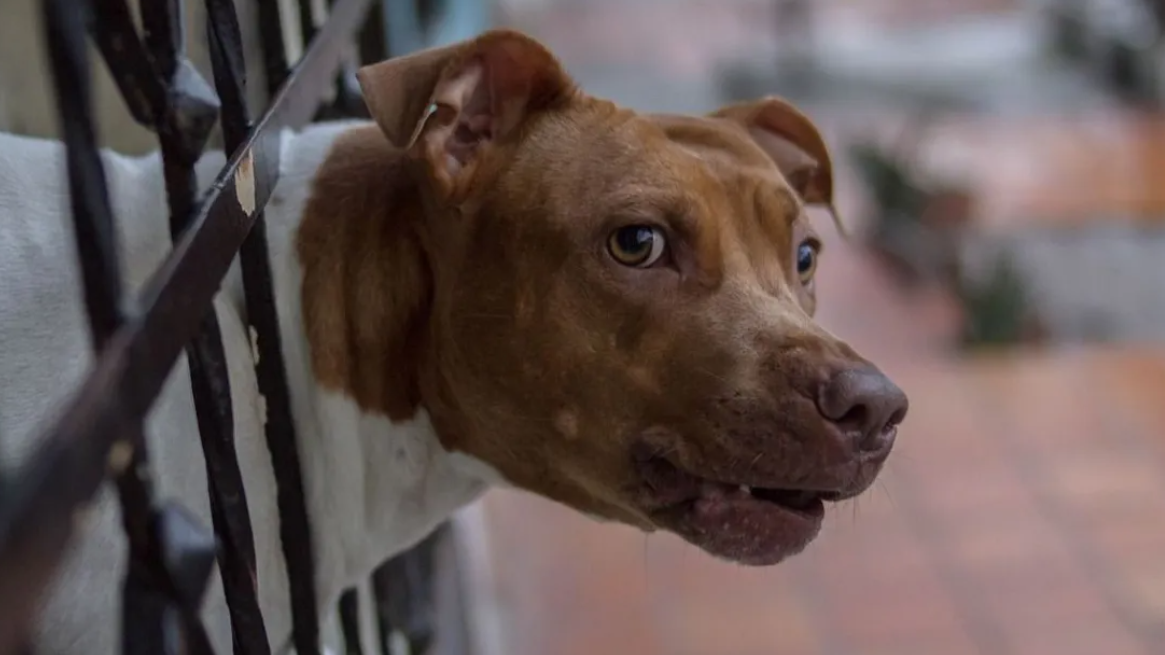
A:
(806, 260)
(636, 245)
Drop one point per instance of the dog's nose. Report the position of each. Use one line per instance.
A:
(864, 402)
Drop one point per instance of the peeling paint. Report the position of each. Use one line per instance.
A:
(120, 455)
(262, 404)
(245, 184)
(254, 343)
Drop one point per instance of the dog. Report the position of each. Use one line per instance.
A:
(498, 280)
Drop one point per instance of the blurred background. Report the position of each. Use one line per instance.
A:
(1001, 166)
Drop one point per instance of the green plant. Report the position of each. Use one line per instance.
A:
(997, 310)
(897, 195)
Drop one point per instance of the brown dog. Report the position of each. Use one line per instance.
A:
(611, 309)
(501, 279)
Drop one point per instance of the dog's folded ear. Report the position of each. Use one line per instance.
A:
(445, 104)
(793, 141)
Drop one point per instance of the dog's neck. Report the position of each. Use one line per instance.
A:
(347, 271)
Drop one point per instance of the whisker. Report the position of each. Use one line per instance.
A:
(714, 376)
(886, 491)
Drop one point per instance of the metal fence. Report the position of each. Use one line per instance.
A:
(137, 340)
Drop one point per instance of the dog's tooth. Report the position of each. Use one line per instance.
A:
(744, 489)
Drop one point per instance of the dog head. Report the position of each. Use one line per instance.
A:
(613, 309)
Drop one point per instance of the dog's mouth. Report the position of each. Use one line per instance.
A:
(793, 500)
(746, 524)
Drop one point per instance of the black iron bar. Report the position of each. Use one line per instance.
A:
(129, 63)
(271, 39)
(95, 236)
(349, 611)
(229, 506)
(164, 35)
(279, 429)
(307, 17)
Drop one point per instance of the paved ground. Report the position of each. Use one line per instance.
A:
(1023, 512)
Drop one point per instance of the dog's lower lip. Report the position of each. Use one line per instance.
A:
(728, 521)
(747, 524)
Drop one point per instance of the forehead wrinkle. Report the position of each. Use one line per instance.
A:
(763, 216)
(767, 195)
(760, 204)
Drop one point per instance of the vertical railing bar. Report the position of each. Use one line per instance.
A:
(307, 20)
(93, 228)
(96, 240)
(372, 45)
(94, 233)
(275, 66)
(258, 287)
(114, 34)
(349, 610)
(250, 634)
(163, 34)
(224, 41)
(230, 515)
